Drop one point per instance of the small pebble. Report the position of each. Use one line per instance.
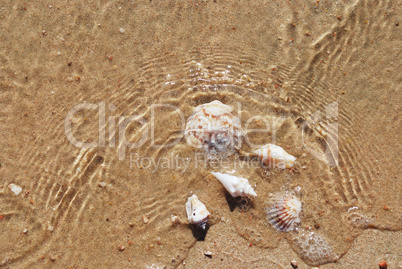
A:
(121, 248)
(383, 265)
(294, 264)
(25, 231)
(102, 184)
(15, 189)
(52, 258)
(145, 219)
(175, 220)
(208, 254)
(122, 30)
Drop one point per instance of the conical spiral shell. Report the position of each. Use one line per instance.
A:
(236, 186)
(272, 155)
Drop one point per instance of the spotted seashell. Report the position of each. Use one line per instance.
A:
(197, 212)
(284, 212)
(272, 155)
(214, 128)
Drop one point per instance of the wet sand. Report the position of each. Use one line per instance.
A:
(323, 75)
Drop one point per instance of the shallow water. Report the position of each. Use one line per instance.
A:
(319, 79)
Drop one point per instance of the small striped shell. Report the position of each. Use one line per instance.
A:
(272, 155)
(213, 127)
(284, 212)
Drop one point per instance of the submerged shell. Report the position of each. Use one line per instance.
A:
(213, 127)
(272, 155)
(284, 212)
(197, 212)
(236, 186)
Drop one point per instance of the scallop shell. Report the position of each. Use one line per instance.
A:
(213, 127)
(197, 212)
(236, 186)
(272, 155)
(284, 212)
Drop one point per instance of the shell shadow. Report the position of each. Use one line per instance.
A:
(242, 203)
(198, 232)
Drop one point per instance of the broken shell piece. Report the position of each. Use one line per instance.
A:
(284, 211)
(213, 128)
(197, 212)
(236, 186)
(15, 189)
(208, 254)
(272, 155)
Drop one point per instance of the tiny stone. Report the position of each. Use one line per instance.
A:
(122, 30)
(15, 189)
(25, 231)
(294, 264)
(50, 229)
(208, 254)
(102, 184)
(121, 248)
(145, 219)
(52, 258)
(383, 265)
(175, 220)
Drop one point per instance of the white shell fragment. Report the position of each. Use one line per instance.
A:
(197, 212)
(284, 212)
(213, 128)
(272, 155)
(236, 186)
(15, 189)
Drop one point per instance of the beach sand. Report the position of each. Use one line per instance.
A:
(322, 76)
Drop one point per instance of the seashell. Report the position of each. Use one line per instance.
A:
(236, 186)
(272, 155)
(213, 127)
(197, 212)
(284, 212)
